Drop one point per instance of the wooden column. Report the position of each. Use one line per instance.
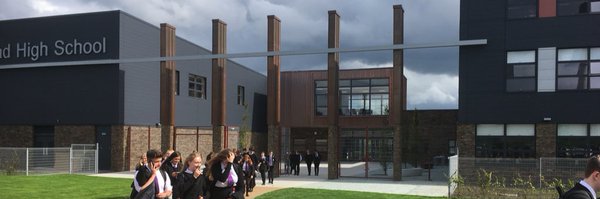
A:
(218, 108)
(273, 86)
(167, 85)
(397, 90)
(332, 96)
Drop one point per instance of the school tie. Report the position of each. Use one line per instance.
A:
(245, 166)
(156, 187)
(229, 180)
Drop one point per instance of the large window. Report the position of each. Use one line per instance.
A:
(520, 71)
(505, 141)
(578, 140)
(518, 9)
(197, 86)
(578, 69)
(357, 97)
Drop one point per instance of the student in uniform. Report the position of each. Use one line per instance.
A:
(317, 161)
(172, 165)
(151, 182)
(191, 184)
(226, 179)
(309, 160)
(262, 167)
(143, 162)
(270, 166)
(248, 170)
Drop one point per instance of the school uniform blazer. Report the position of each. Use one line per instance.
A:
(189, 187)
(578, 192)
(317, 159)
(218, 175)
(250, 171)
(168, 167)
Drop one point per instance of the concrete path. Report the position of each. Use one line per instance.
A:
(417, 185)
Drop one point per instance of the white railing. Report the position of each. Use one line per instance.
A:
(79, 158)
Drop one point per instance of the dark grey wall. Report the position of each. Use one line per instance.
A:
(192, 111)
(81, 27)
(141, 80)
(482, 69)
(253, 82)
(60, 95)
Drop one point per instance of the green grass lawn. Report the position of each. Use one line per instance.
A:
(292, 193)
(63, 186)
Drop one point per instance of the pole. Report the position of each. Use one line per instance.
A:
(27, 161)
(71, 160)
(96, 158)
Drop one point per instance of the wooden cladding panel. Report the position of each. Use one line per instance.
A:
(297, 98)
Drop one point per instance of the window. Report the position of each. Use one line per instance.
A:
(572, 7)
(365, 97)
(521, 71)
(357, 97)
(595, 6)
(197, 86)
(578, 140)
(176, 82)
(518, 9)
(321, 98)
(241, 95)
(505, 140)
(452, 147)
(578, 71)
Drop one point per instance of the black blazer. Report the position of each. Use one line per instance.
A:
(189, 187)
(317, 159)
(250, 172)
(222, 176)
(167, 167)
(578, 192)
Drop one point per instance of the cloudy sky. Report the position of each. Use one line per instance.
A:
(432, 73)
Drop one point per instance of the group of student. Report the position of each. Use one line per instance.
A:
(230, 174)
(309, 158)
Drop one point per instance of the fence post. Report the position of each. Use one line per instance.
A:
(71, 160)
(27, 161)
(96, 159)
(540, 173)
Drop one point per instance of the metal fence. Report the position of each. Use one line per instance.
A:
(79, 158)
(511, 171)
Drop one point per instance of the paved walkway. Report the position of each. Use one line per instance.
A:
(418, 185)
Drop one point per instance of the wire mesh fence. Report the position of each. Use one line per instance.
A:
(514, 176)
(35, 161)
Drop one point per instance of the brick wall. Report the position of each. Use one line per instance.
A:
(193, 139)
(545, 140)
(16, 136)
(65, 135)
(465, 134)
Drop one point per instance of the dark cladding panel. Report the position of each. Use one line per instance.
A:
(76, 37)
(60, 95)
(483, 80)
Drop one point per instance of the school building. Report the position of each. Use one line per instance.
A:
(63, 86)
(533, 90)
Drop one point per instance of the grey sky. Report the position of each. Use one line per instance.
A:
(303, 26)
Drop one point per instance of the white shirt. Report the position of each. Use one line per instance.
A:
(161, 182)
(233, 176)
(587, 186)
(163, 185)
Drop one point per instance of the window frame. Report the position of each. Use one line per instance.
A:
(588, 67)
(505, 141)
(586, 141)
(198, 82)
(241, 95)
(510, 67)
(508, 6)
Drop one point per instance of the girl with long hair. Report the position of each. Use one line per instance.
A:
(191, 184)
(226, 179)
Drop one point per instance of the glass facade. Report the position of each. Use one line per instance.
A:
(521, 71)
(357, 97)
(518, 9)
(578, 69)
